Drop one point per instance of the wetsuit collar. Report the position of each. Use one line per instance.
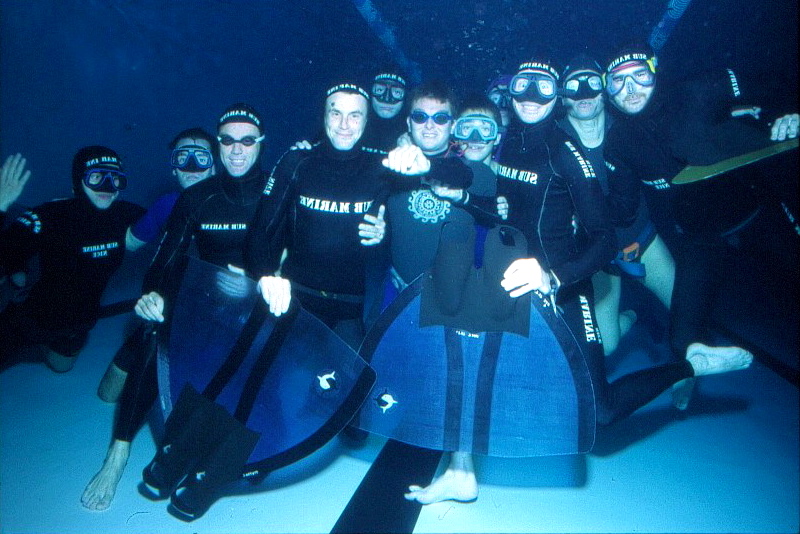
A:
(244, 189)
(341, 155)
(443, 154)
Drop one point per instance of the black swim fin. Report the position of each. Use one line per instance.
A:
(452, 266)
(226, 446)
(180, 449)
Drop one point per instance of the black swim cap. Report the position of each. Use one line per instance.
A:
(92, 157)
(241, 113)
(540, 66)
(640, 53)
(390, 77)
(581, 63)
(347, 87)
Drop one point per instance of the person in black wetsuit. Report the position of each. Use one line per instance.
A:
(192, 161)
(326, 216)
(477, 134)
(386, 119)
(416, 215)
(652, 139)
(79, 243)
(216, 214)
(549, 183)
(643, 255)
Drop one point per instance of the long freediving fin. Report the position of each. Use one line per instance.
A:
(694, 173)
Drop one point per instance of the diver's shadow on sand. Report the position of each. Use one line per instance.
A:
(620, 435)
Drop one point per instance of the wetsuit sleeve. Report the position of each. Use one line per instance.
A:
(165, 270)
(268, 231)
(742, 100)
(589, 205)
(19, 241)
(450, 171)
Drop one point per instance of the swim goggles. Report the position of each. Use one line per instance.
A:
(192, 158)
(440, 117)
(105, 180)
(475, 128)
(642, 76)
(533, 87)
(583, 86)
(248, 140)
(388, 93)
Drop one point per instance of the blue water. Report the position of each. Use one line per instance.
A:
(131, 74)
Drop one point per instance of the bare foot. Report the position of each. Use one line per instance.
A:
(101, 489)
(458, 483)
(707, 360)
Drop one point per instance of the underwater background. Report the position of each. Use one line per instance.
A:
(131, 73)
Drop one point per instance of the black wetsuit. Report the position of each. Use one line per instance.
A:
(216, 214)
(633, 240)
(698, 221)
(78, 247)
(324, 195)
(416, 216)
(383, 133)
(548, 182)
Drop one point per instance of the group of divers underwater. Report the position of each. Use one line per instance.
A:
(443, 271)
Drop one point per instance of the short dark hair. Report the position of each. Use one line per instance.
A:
(192, 133)
(480, 102)
(436, 90)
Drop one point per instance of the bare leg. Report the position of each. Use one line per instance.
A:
(660, 268)
(112, 383)
(458, 483)
(607, 290)
(660, 280)
(101, 489)
(612, 323)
